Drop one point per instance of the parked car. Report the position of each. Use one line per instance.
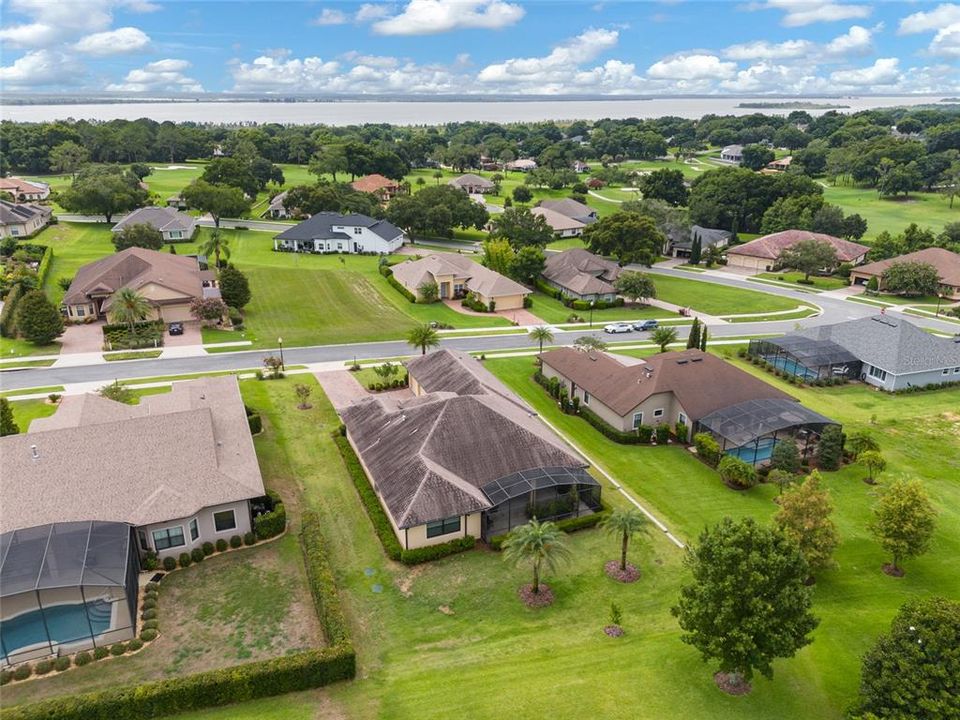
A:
(646, 325)
(618, 328)
(176, 328)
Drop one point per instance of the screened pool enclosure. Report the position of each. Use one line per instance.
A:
(66, 587)
(807, 358)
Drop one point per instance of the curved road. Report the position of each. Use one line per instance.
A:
(834, 310)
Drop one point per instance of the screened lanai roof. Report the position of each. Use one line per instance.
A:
(745, 422)
(811, 352)
(64, 555)
(521, 483)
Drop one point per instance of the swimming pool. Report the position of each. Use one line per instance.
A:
(791, 366)
(754, 453)
(64, 623)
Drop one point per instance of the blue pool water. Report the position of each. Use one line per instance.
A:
(792, 367)
(65, 623)
(754, 454)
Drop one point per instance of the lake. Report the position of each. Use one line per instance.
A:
(355, 112)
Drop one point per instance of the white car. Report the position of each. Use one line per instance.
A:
(618, 328)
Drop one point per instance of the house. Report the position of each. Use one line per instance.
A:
(709, 237)
(732, 154)
(580, 167)
(763, 254)
(572, 209)
(697, 389)
(473, 184)
(521, 165)
(562, 225)
(947, 264)
(881, 350)
(168, 282)
(22, 220)
(176, 202)
(173, 225)
(383, 187)
(465, 457)
(24, 191)
(92, 488)
(582, 275)
(354, 234)
(781, 165)
(456, 275)
(276, 208)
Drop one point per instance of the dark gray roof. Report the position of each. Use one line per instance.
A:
(15, 214)
(745, 422)
(708, 237)
(457, 372)
(890, 343)
(320, 227)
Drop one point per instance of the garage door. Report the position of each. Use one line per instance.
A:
(176, 313)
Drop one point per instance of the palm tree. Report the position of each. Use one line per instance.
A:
(217, 245)
(128, 306)
(423, 337)
(664, 336)
(625, 523)
(539, 543)
(541, 334)
(437, 174)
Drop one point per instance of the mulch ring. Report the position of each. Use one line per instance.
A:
(732, 683)
(612, 568)
(540, 599)
(892, 571)
(613, 630)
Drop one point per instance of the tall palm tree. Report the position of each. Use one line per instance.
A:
(539, 543)
(128, 306)
(217, 245)
(625, 523)
(664, 336)
(423, 337)
(541, 334)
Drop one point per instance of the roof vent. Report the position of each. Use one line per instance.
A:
(34, 453)
(696, 359)
(682, 362)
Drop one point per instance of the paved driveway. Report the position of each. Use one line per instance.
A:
(343, 389)
(191, 336)
(82, 338)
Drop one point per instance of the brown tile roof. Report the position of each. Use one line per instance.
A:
(18, 186)
(164, 459)
(771, 246)
(947, 264)
(413, 273)
(700, 381)
(581, 272)
(374, 183)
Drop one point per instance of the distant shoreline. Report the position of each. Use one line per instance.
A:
(796, 105)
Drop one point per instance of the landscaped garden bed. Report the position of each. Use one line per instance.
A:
(147, 334)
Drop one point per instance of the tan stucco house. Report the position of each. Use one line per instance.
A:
(473, 184)
(173, 225)
(456, 276)
(22, 220)
(763, 254)
(561, 225)
(579, 274)
(946, 263)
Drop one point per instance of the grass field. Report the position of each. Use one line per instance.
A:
(926, 209)
(716, 299)
(26, 411)
(820, 283)
(16, 348)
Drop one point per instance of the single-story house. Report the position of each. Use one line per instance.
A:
(947, 264)
(177, 202)
(22, 220)
(692, 387)
(580, 274)
(276, 208)
(329, 232)
(473, 184)
(521, 165)
(561, 225)
(572, 209)
(456, 275)
(89, 490)
(24, 191)
(479, 462)
(383, 187)
(173, 225)
(709, 237)
(763, 254)
(580, 167)
(886, 351)
(781, 165)
(732, 154)
(168, 282)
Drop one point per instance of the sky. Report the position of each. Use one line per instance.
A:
(484, 47)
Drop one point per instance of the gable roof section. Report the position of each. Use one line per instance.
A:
(471, 180)
(136, 267)
(558, 220)
(17, 213)
(708, 237)
(16, 185)
(320, 227)
(477, 278)
(771, 246)
(164, 459)
(569, 207)
(448, 370)
(164, 219)
(947, 264)
(373, 183)
(581, 271)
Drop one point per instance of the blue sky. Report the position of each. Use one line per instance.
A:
(791, 47)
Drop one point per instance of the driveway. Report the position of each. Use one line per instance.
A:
(82, 339)
(191, 336)
(342, 389)
(520, 316)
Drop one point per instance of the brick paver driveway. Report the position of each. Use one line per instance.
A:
(343, 389)
(82, 338)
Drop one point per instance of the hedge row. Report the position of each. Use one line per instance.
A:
(388, 274)
(44, 268)
(371, 503)
(254, 421)
(435, 552)
(8, 316)
(323, 587)
(272, 523)
(547, 289)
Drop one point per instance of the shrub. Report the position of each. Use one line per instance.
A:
(253, 417)
(148, 634)
(400, 288)
(222, 545)
(62, 663)
(681, 431)
(5, 677)
(272, 523)
(236, 541)
(184, 560)
(323, 586)
(8, 315)
(150, 561)
(151, 624)
(118, 649)
(82, 658)
(249, 538)
(150, 614)
(663, 433)
(737, 473)
(434, 552)
(22, 672)
(830, 449)
(169, 563)
(197, 555)
(134, 644)
(149, 604)
(99, 653)
(707, 448)
(43, 667)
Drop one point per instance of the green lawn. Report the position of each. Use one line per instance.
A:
(17, 348)
(715, 299)
(26, 411)
(553, 311)
(820, 283)
(925, 209)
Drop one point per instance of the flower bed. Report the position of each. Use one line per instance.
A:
(541, 599)
(613, 571)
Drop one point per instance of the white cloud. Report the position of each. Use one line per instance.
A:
(429, 17)
(380, 61)
(947, 41)
(40, 68)
(798, 13)
(267, 74)
(369, 12)
(692, 66)
(560, 63)
(165, 75)
(884, 72)
(330, 17)
(113, 42)
(856, 41)
(763, 50)
(932, 21)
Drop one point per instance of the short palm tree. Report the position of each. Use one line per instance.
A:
(538, 543)
(541, 334)
(664, 336)
(217, 245)
(423, 337)
(128, 307)
(625, 524)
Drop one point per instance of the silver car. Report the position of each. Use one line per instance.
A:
(621, 327)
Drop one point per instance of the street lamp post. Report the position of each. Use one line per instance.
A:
(592, 303)
(282, 366)
(939, 297)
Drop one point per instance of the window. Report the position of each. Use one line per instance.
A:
(586, 398)
(358, 231)
(142, 537)
(194, 529)
(682, 419)
(637, 420)
(224, 520)
(14, 231)
(80, 311)
(443, 527)
(877, 373)
(658, 413)
(946, 371)
(175, 234)
(339, 246)
(168, 538)
(956, 371)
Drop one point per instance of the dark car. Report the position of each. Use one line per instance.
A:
(646, 325)
(176, 328)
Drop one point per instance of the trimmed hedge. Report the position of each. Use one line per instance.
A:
(371, 503)
(323, 586)
(44, 268)
(8, 316)
(272, 523)
(547, 289)
(609, 431)
(254, 420)
(434, 552)
(400, 288)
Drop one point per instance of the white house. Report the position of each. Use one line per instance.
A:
(329, 232)
(732, 154)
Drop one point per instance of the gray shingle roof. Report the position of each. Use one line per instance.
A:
(708, 237)
(470, 180)
(581, 272)
(448, 370)
(476, 277)
(571, 208)
(163, 219)
(16, 214)
(320, 227)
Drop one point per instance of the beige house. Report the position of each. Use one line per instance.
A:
(456, 276)
(24, 191)
(464, 457)
(946, 263)
(169, 282)
(763, 254)
(579, 274)
(174, 226)
(383, 187)
(473, 184)
(22, 220)
(561, 225)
